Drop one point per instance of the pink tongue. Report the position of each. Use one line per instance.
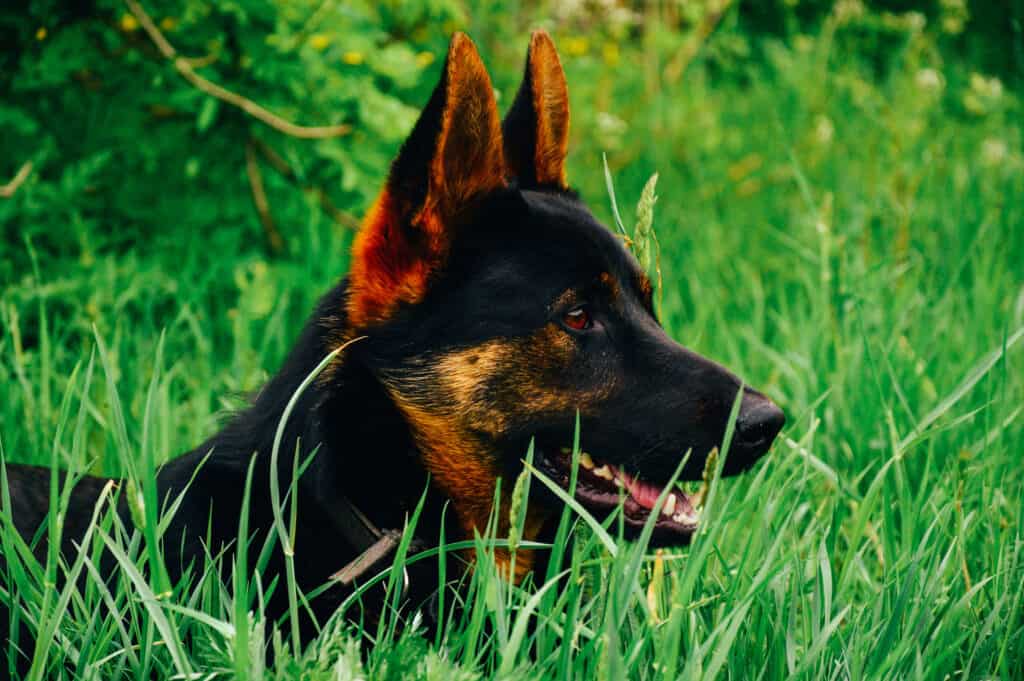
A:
(646, 494)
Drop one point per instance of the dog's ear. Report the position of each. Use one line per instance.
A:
(453, 155)
(536, 128)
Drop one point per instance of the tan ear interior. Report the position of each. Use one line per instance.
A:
(551, 107)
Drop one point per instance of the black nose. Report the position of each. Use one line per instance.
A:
(758, 423)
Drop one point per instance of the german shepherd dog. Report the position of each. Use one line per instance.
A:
(493, 309)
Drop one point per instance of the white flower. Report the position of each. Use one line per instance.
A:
(610, 128)
(824, 130)
(929, 79)
(848, 10)
(916, 21)
(991, 88)
(994, 151)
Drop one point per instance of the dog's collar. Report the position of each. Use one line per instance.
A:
(375, 546)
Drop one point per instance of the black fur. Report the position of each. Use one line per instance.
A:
(499, 284)
(514, 256)
(345, 421)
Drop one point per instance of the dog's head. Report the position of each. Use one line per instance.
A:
(497, 308)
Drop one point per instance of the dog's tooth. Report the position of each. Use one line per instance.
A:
(586, 461)
(604, 472)
(684, 518)
(670, 506)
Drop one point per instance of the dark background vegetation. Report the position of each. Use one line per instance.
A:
(124, 149)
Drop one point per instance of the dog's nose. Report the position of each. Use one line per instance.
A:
(758, 423)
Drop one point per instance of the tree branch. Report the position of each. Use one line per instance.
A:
(7, 190)
(259, 197)
(184, 67)
(276, 162)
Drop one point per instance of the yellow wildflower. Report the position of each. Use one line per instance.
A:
(748, 187)
(169, 23)
(610, 52)
(577, 46)
(319, 42)
(745, 166)
(353, 58)
(424, 59)
(953, 25)
(41, 33)
(129, 23)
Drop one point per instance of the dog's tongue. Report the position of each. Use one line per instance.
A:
(646, 494)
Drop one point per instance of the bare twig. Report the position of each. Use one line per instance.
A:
(185, 68)
(343, 218)
(202, 62)
(275, 159)
(7, 190)
(259, 197)
(278, 163)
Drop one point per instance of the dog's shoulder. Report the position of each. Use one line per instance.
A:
(29, 491)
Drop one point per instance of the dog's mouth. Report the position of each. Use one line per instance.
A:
(601, 487)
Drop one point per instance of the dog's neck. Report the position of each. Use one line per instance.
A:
(360, 447)
(368, 454)
(353, 443)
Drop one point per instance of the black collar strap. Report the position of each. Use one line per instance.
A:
(376, 547)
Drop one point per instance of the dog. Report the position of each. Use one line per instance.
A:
(485, 309)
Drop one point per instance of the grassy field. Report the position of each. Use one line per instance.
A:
(846, 235)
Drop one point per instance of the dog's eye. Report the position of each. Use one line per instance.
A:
(578, 319)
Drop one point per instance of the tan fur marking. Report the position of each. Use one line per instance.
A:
(460, 403)
(460, 466)
(645, 287)
(610, 284)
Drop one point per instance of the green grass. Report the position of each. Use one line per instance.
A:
(848, 239)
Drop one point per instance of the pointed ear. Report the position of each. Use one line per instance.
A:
(453, 155)
(536, 128)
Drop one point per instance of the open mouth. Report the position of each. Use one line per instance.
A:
(601, 487)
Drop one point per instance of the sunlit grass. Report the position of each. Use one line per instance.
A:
(851, 246)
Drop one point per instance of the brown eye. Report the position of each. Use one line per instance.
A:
(577, 319)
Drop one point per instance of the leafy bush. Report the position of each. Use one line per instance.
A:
(127, 151)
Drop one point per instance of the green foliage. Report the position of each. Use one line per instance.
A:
(120, 138)
(840, 219)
